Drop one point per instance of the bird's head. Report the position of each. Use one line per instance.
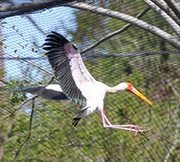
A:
(129, 87)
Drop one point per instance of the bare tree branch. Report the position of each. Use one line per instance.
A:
(30, 7)
(30, 123)
(167, 9)
(40, 5)
(130, 19)
(18, 58)
(30, 128)
(174, 7)
(114, 33)
(4, 82)
(35, 24)
(164, 15)
(19, 107)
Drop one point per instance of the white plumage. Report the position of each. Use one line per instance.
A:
(78, 84)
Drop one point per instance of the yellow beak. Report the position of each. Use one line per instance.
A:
(137, 93)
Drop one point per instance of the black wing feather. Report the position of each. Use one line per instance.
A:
(60, 63)
(45, 93)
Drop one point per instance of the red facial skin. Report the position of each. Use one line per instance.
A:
(133, 90)
(130, 87)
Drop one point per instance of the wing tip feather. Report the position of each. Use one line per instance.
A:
(54, 40)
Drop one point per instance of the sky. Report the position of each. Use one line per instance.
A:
(19, 34)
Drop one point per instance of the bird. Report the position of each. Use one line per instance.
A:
(50, 92)
(79, 85)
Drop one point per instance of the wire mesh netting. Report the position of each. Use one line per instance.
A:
(36, 129)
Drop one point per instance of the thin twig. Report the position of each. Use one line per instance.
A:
(18, 58)
(115, 32)
(50, 81)
(4, 82)
(19, 107)
(29, 135)
(35, 24)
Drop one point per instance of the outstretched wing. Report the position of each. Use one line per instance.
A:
(69, 68)
(50, 92)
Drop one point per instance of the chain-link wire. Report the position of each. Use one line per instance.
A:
(37, 129)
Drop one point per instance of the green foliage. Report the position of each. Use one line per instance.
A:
(1, 73)
(15, 96)
(53, 138)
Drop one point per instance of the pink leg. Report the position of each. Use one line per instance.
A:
(125, 127)
(134, 126)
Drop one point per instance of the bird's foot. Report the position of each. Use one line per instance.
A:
(129, 127)
(133, 128)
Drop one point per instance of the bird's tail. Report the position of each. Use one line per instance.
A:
(75, 121)
(33, 90)
(77, 117)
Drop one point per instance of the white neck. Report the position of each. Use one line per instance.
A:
(119, 87)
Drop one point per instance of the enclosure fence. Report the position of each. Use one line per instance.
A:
(36, 129)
